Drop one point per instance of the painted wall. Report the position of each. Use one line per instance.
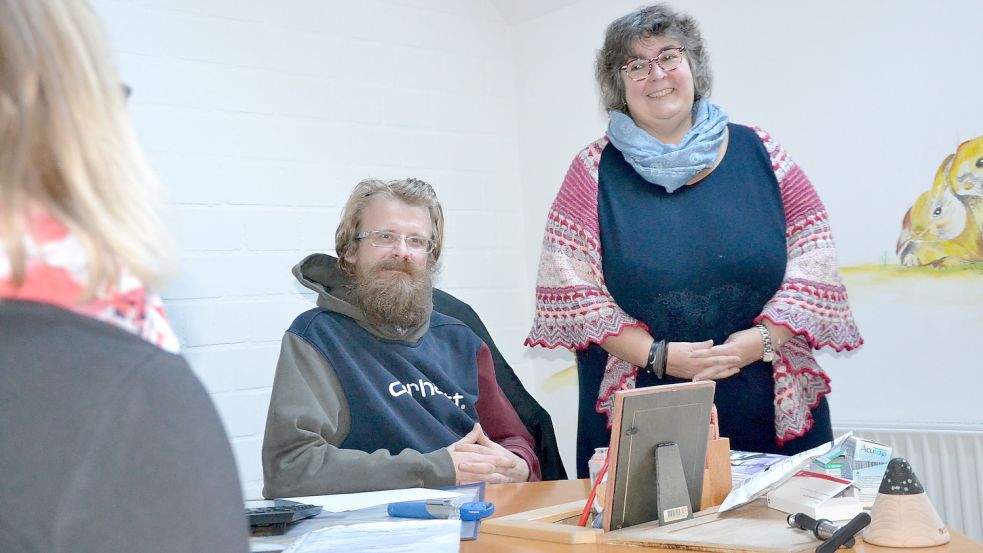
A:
(868, 97)
(260, 117)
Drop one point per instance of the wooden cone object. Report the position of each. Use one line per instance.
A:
(903, 515)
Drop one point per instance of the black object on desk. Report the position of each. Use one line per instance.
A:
(271, 516)
(833, 536)
(823, 529)
(844, 534)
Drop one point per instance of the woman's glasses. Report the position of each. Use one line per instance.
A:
(639, 69)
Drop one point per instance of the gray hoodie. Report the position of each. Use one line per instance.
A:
(309, 416)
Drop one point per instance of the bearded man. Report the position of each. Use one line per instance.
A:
(374, 389)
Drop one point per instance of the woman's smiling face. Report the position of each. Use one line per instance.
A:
(661, 104)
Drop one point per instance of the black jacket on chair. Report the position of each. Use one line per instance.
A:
(536, 419)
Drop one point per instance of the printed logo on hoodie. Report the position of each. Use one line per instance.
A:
(424, 389)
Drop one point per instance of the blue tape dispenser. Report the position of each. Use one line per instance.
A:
(441, 508)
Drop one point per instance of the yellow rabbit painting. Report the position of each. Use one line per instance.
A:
(966, 177)
(944, 227)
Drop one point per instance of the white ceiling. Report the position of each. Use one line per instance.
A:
(519, 11)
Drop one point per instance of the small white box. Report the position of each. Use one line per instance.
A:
(816, 495)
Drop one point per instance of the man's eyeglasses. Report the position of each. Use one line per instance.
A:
(639, 69)
(385, 239)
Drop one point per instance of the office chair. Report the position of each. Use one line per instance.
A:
(533, 415)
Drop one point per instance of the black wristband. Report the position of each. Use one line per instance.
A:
(649, 363)
(661, 357)
(656, 363)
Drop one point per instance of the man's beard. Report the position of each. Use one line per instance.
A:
(394, 292)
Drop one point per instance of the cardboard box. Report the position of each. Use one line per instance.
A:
(817, 495)
(861, 461)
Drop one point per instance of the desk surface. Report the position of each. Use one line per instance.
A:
(516, 498)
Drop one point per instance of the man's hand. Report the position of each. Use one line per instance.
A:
(477, 458)
(701, 360)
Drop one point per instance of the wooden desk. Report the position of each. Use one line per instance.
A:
(516, 498)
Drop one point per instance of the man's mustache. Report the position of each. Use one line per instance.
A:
(403, 265)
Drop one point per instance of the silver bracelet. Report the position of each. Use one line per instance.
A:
(768, 354)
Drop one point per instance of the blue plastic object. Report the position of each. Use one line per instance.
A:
(440, 508)
(477, 510)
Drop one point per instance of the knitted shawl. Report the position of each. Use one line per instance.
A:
(575, 309)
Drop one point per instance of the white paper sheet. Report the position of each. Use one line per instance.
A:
(432, 536)
(261, 547)
(339, 503)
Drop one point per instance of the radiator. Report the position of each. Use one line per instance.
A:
(949, 464)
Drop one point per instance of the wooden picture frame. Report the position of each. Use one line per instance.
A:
(643, 419)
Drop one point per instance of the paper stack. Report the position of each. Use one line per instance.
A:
(745, 464)
(817, 495)
(432, 536)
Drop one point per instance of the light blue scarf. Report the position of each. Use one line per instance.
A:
(671, 165)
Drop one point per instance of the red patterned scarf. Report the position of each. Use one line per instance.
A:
(56, 273)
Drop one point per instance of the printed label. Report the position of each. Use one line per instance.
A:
(678, 513)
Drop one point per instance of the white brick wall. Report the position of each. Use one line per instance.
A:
(259, 117)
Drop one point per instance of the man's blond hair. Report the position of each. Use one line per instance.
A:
(411, 191)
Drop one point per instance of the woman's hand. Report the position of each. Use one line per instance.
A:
(744, 344)
(701, 360)
(744, 347)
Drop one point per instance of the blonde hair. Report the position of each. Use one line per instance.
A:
(66, 144)
(411, 191)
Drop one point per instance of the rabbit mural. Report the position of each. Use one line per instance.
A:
(945, 225)
(966, 177)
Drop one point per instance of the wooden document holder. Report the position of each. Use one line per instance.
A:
(556, 524)
(717, 478)
(753, 527)
(644, 418)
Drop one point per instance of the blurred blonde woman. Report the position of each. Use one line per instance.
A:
(107, 440)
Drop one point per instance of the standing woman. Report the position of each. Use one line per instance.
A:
(108, 442)
(684, 247)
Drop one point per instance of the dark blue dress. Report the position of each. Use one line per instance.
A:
(696, 264)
